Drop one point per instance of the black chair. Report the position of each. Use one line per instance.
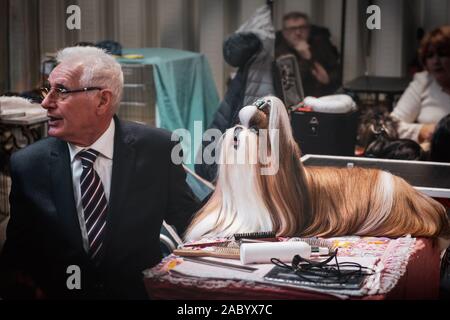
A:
(169, 238)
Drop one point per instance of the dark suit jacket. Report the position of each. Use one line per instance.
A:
(44, 237)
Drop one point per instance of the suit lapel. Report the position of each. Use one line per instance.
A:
(62, 186)
(123, 168)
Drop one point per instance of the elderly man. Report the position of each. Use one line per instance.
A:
(317, 58)
(88, 202)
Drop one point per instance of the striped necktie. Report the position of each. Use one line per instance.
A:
(95, 205)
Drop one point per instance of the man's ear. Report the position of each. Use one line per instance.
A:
(105, 103)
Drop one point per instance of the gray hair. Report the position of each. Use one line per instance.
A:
(99, 69)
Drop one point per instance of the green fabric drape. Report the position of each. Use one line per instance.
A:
(185, 90)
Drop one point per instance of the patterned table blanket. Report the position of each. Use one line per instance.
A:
(387, 257)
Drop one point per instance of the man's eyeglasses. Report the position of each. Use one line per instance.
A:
(62, 93)
(299, 28)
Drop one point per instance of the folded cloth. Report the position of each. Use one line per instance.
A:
(336, 103)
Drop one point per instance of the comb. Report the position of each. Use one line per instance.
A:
(229, 244)
(218, 252)
(315, 242)
(219, 243)
(255, 235)
(221, 264)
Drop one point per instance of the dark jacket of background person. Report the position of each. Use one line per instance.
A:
(440, 142)
(250, 49)
(44, 237)
(324, 52)
(238, 50)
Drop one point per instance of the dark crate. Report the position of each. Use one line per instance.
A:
(325, 133)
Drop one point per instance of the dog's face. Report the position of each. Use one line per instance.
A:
(256, 116)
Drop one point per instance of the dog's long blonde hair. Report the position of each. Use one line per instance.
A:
(293, 200)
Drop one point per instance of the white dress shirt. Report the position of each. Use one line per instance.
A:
(103, 166)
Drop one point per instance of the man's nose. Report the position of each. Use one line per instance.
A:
(48, 102)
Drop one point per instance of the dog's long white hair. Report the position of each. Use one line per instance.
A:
(262, 186)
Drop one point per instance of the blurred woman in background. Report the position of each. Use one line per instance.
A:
(427, 99)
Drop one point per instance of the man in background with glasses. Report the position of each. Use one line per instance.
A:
(317, 58)
(88, 202)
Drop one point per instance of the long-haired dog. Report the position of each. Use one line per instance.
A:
(271, 190)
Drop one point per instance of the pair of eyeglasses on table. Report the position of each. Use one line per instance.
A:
(323, 271)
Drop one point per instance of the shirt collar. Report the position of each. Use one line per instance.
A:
(104, 145)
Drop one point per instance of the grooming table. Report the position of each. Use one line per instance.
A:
(412, 276)
(431, 178)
